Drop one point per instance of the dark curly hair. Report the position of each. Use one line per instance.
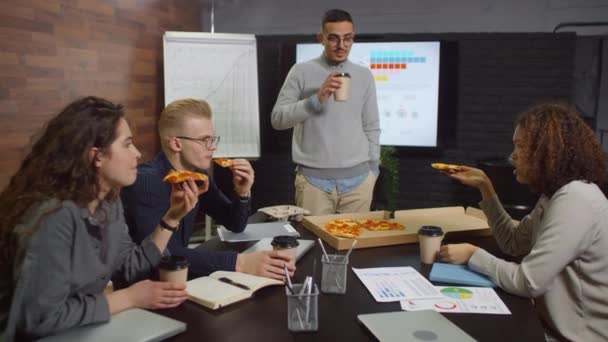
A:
(58, 166)
(560, 148)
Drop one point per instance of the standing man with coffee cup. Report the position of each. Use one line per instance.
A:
(331, 105)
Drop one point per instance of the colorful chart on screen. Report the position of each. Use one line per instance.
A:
(407, 86)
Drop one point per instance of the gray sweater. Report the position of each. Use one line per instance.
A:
(61, 270)
(565, 268)
(337, 139)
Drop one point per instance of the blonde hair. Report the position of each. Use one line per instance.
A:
(173, 117)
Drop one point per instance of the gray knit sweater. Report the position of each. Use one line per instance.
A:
(336, 139)
(565, 268)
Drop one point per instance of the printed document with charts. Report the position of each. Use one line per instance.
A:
(223, 288)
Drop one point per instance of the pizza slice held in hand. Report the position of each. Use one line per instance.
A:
(446, 167)
(223, 162)
(180, 176)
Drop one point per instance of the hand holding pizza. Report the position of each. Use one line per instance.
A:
(184, 197)
(242, 177)
(184, 192)
(469, 176)
(475, 178)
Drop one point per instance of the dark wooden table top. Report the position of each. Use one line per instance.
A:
(263, 317)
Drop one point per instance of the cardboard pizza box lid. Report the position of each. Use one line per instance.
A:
(450, 219)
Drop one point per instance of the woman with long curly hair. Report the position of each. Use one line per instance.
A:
(564, 240)
(62, 230)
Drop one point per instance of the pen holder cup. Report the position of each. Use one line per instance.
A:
(302, 309)
(333, 273)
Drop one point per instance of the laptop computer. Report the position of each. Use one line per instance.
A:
(135, 325)
(264, 245)
(424, 325)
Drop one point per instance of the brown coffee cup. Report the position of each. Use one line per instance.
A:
(174, 269)
(285, 243)
(429, 238)
(342, 93)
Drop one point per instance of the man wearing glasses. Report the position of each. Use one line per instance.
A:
(188, 142)
(335, 144)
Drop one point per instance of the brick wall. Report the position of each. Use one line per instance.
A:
(54, 51)
(498, 75)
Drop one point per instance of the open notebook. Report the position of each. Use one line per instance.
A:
(134, 325)
(223, 288)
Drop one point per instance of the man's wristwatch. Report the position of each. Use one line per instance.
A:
(165, 225)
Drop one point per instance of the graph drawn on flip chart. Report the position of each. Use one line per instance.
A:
(221, 69)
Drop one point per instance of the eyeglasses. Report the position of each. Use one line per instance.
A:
(206, 141)
(335, 40)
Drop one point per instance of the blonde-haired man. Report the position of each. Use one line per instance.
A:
(188, 142)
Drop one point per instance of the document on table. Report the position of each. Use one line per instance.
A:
(482, 300)
(392, 284)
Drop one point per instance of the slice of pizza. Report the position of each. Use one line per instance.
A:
(446, 167)
(379, 224)
(345, 228)
(223, 162)
(180, 176)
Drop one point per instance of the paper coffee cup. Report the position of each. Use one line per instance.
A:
(174, 269)
(342, 93)
(285, 243)
(429, 238)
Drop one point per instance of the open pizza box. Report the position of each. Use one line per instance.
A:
(367, 238)
(450, 219)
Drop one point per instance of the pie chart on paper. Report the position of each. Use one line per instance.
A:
(457, 293)
(445, 305)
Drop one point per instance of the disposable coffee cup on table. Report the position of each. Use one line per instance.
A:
(173, 269)
(285, 243)
(342, 93)
(430, 238)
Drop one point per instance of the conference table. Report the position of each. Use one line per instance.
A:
(263, 317)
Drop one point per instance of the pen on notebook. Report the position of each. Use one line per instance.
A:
(233, 283)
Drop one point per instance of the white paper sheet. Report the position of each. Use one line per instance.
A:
(392, 284)
(460, 299)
